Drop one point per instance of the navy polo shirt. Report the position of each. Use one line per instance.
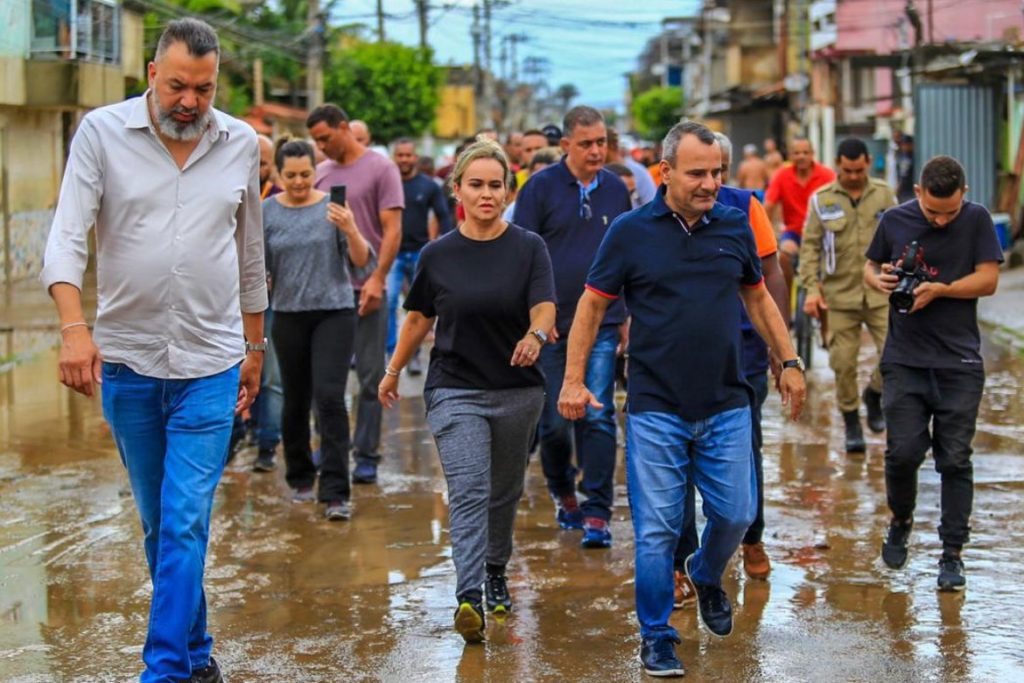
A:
(680, 285)
(550, 206)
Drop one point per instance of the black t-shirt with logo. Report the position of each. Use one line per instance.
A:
(481, 293)
(944, 334)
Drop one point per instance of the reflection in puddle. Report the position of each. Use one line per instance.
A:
(296, 598)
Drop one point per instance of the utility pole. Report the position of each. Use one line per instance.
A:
(488, 67)
(514, 40)
(380, 21)
(477, 33)
(421, 10)
(314, 57)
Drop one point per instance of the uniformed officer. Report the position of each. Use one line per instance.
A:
(841, 221)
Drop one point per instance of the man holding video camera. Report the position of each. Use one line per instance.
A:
(934, 256)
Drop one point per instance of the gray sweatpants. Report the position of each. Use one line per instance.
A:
(482, 437)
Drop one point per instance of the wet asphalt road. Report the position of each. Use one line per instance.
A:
(295, 598)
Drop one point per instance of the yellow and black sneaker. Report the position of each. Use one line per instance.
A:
(469, 621)
(498, 599)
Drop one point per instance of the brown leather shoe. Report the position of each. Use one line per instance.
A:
(755, 561)
(685, 594)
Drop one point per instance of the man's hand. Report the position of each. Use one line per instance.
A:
(249, 381)
(80, 365)
(387, 391)
(815, 306)
(794, 391)
(775, 366)
(926, 293)
(574, 399)
(885, 281)
(371, 295)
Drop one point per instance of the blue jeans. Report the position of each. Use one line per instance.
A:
(173, 439)
(402, 270)
(594, 434)
(661, 448)
(688, 542)
(271, 397)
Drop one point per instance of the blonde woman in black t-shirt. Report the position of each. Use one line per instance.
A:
(490, 288)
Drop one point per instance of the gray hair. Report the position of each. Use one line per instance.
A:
(580, 116)
(670, 145)
(198, 36)
(726, 144)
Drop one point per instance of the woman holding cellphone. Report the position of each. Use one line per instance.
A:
(490, 288)
(313, 248)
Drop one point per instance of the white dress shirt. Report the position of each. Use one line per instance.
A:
(179, 251)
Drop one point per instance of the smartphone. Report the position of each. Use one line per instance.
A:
(338, 194)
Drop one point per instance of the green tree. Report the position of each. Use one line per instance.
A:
(393, 87)
(566, 93)
(657, 110)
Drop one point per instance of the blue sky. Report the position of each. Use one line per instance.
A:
(590, 43)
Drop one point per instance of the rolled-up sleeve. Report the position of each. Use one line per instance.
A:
(252, 273)
(67, 247)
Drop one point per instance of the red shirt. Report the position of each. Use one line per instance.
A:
(785, 187)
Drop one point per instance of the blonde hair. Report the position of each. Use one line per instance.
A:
(483, 148)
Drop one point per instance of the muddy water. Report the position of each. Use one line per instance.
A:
(295, 598)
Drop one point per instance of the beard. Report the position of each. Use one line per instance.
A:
(178, 130)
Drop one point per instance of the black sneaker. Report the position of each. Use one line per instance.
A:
(469, 621)
(208, 674)
(658, 656)
(496, 590)
(951, 574)
(713, 606)
(873, 403)
(264, 462)
(894, 548)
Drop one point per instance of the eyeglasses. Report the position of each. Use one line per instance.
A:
(586, 213)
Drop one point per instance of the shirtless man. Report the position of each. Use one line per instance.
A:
(772, 157)
(753, 172)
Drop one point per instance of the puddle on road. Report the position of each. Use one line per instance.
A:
(293, 597)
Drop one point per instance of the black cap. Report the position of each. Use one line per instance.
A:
(553, 134)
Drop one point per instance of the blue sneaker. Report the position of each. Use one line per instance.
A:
(596, 533)
(365, 472)
(568, 513)
(658, 656)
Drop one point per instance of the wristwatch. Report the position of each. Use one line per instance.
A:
(541, 337)
(261, 347)
(797, 363)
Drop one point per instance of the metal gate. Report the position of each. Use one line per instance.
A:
(961, 121)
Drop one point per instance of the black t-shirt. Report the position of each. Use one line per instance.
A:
(943, 334)
(481, 293)
(422, 195)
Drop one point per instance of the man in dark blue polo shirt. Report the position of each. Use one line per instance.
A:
(681, 261)
(571, 205)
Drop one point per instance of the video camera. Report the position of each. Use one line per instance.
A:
(911, 271)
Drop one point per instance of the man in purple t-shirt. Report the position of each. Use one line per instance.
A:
(375, 196)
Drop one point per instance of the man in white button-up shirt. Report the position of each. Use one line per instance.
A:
(172, 187)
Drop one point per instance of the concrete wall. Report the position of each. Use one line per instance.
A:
(34, 166)
(15, 17)
(456, 112)
(872, 25)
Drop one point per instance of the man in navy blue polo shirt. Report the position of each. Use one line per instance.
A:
(571, 204)
(681, 261)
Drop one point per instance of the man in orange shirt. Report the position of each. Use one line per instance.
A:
(755, 369)
(790, 193)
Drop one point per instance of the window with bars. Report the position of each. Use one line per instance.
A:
(77, 29)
